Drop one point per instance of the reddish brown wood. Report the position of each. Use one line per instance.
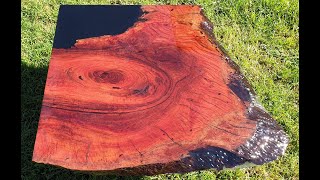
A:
(144, 98)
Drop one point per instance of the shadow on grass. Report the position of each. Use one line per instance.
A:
(32, 88)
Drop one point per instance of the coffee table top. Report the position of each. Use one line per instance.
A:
(148, 90)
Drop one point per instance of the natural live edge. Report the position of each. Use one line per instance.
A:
(268, 134)
(199, 159)
(256, 139)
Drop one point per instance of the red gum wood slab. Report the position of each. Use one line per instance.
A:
(141, 102)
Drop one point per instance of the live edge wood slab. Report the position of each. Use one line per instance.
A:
(161, 97)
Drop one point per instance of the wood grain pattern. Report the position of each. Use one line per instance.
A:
(147, 101)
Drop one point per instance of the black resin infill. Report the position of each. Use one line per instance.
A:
(86, 21)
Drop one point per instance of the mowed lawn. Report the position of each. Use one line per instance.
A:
(261, 36)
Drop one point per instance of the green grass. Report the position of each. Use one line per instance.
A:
(261, 36)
